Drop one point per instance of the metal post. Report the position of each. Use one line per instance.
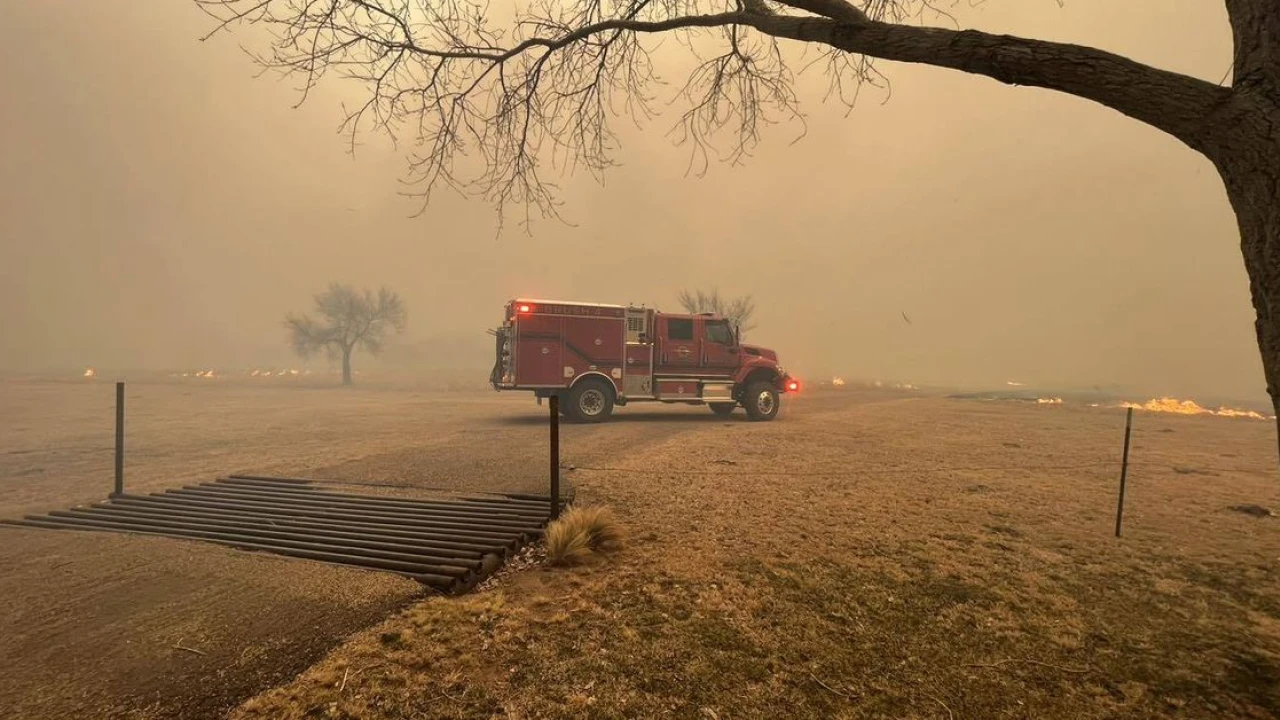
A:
(119, 439)
(1124, 469)
(555, 457)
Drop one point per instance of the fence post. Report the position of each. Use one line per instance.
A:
(1124, 469)
(119, 439)
(555, 456)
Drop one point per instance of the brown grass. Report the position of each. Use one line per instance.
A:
(915, 559)
(581, 532)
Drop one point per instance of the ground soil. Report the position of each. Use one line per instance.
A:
(93, 620)
(868, 554)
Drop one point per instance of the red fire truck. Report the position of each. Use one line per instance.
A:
(594, 357)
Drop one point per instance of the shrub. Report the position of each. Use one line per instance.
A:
(582, 531)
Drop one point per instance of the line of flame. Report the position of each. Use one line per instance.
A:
(1191, 407)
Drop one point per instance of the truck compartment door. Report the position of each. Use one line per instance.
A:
(678, 390)
(539, 352)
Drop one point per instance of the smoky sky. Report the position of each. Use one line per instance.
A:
(163, 208)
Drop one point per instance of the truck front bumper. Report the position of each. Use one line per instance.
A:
(787, 383)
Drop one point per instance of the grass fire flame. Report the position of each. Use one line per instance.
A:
(1190, 407)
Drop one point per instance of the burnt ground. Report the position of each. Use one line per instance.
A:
(109, 625)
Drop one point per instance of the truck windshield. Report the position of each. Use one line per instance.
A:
(718, 332)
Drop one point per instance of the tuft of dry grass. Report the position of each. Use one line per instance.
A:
(581, 532)
(566, 544)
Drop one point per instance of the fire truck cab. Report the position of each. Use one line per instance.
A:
(594, 357)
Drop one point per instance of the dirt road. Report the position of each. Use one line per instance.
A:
(106, 625)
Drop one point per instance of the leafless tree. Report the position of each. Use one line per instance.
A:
(538, 83)
(738, 310)
(349, 319)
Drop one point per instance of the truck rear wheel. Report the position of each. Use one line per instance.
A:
(590, 401)
(724, 409)
(761, 401)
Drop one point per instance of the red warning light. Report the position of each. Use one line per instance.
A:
(525, 308)
(793, 386)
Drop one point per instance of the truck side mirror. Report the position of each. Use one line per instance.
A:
(737, 334)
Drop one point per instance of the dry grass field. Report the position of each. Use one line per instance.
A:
(869, 554)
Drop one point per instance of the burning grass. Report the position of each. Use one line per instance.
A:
(1164, 405)
(1191, 407)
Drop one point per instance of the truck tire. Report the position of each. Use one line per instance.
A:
(761, 401)
(590, 401)
(724, 409)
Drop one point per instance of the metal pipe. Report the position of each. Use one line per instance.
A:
(444, 582)
(338, 504)
(426, 533)
(442, 520)
(455, 506)
(337, 529)
(498, 500)
(1124, 468)
(280, 480)
(410, 561)
(555, 455)
(402, 523)
(326, 537)
(119, 487)
(317, 483)
(532, 502)
(354, 519)
(495, 502)
(377, 504)
(530, 498)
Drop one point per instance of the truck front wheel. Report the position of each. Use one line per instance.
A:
(761, 401)
(590, 401)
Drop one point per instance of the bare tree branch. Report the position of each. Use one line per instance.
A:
(1181, 105)
(738, 311)
(489, 101)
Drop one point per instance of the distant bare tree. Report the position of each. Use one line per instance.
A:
(535, 81)
(739, 310)
(349, 319)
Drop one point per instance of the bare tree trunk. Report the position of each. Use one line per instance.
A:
(346, 366)
(1249, 161)
(1250, 167)
(1255, 195)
